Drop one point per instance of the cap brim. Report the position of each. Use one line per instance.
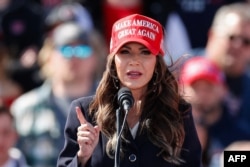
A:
(207, 78)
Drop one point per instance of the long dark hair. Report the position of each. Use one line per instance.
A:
(160, 118)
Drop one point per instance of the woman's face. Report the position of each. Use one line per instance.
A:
(135, 66)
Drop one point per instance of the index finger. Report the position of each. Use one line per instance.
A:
(80, 116)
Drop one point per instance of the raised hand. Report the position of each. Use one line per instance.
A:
(87, 137)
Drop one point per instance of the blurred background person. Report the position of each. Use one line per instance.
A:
(202, 84)
(9, 89)
(105, 12)
(183, 34)
(72, 60)
(22, 29)
(113, 10)
(69, 11)
(49, 5)
(228, 46)
(9, 155)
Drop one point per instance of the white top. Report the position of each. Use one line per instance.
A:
(16, 159)
(134, 130)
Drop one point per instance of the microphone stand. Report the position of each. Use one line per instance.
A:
(118, 127)
(125, 99)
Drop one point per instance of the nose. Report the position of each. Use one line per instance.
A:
(135, 60)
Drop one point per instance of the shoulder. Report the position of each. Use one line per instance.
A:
(83, 103)
(17, 156)
(185, 107)
(32, 98)
(26, 101)
(247, 78)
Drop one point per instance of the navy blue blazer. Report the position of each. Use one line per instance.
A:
(140, 152)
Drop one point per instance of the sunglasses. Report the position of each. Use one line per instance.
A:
(244, 41)
(79, 51)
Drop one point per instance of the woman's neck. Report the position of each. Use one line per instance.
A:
(134, 114)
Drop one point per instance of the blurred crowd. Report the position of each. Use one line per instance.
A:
(54, 51)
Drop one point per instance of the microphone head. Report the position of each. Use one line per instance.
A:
(124, 94)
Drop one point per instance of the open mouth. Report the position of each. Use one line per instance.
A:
(134, 73)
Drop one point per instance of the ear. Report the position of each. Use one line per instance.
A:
(210, 34)
(211, 38)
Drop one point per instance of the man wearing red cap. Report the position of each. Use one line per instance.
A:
(204, 87)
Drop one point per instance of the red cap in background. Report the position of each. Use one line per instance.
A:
(201, 68)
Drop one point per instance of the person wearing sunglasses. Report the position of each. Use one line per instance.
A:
(80, 51)
(72, 60)
(228, 46)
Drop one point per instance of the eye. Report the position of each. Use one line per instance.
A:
(146, 52)
(124, 51)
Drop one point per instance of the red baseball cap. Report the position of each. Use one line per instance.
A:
(137, 28)
(201, 68)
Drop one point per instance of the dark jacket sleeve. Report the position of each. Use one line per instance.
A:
(192, 152)
(68, 155)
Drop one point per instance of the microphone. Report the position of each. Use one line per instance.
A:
(125, 98)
